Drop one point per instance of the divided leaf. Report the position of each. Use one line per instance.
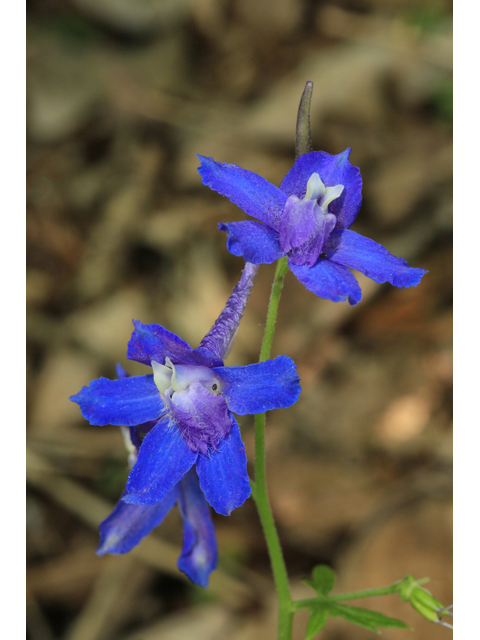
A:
(364, 617)
(323, 580)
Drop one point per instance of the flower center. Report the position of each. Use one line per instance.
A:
(171, 378)
(306, 224)
(192, 398)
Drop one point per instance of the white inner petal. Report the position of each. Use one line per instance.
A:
(162, 376)
(331, 193)
(315, 188)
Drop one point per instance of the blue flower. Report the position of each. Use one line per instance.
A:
(191, 396)
(129, 523)
(308, 219)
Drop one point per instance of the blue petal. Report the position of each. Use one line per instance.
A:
(199, 552)
(164, 458)
(127, 401)
(329, 280)
(249, 191)
(129, 523)
(332, 170)
(138, 431)
(153, 342)
(364, 255)
(223, 476)
(256, 388)
(253, 241)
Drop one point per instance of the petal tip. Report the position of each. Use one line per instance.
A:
(204, 159)
(343, 156)
(101, 551)
(414, 278)
(354, 299)
(137, 325)
(407, 278)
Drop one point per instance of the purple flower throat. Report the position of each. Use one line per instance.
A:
(183, 389)
(305, 225)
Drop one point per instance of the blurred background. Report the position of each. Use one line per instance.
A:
(121, 96)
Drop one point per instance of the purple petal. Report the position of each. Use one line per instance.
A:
(201, 417)
(309, 252)
(199, 552)
(129, 523)
(223, 476)
(153, 342)
(298, 223)
(332, 170)
(370, 258)
(329, 280)
(164, 458)
(220, 337)
(249, 191)
(127, 401)
(253, 241)
(259, 387)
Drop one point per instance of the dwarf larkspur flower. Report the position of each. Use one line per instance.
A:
(308, 219)
(191, 396)
(129, 523)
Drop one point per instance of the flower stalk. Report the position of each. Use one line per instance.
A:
(260, 493)
(286, 609)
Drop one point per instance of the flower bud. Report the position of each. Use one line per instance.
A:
(421, 600)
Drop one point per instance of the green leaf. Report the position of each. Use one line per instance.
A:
(364, 617)
(323, 579)
(318, 618)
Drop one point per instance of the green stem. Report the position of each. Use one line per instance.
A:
(352, 595)
(260, 494)
(282, 268)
